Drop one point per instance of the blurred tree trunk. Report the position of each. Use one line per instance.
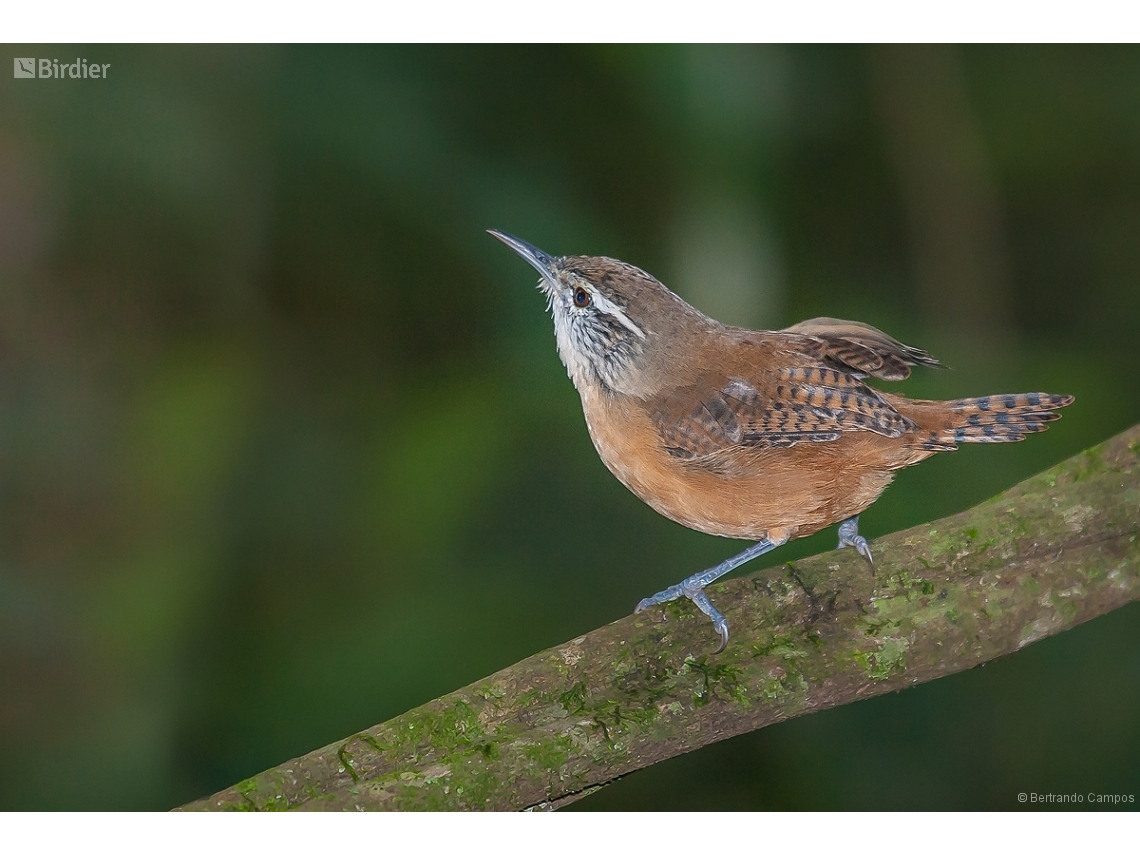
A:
(953, 205)
(1054, 551)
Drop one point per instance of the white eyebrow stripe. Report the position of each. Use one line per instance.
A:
(611, 308)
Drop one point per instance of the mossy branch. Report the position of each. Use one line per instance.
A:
(1048, 554)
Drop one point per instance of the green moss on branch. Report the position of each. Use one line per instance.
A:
(1054, 551)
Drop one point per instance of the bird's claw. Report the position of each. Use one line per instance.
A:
(700, 600)
(694, 587)
(721, 627)
(849, 536)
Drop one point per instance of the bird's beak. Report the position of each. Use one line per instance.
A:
(537, 259)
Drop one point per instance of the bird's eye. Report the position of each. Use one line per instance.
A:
(581, 298)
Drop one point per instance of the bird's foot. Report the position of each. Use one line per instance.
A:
(693, 588)
(849, 536)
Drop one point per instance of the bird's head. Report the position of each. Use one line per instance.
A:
(612, 321)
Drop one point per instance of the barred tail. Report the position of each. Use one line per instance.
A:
(994, 418)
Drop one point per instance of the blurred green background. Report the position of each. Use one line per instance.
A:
(286, 448)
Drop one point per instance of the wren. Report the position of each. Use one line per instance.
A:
(749, 434)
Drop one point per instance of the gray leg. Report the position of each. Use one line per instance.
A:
(694, 586)
(849, 536)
